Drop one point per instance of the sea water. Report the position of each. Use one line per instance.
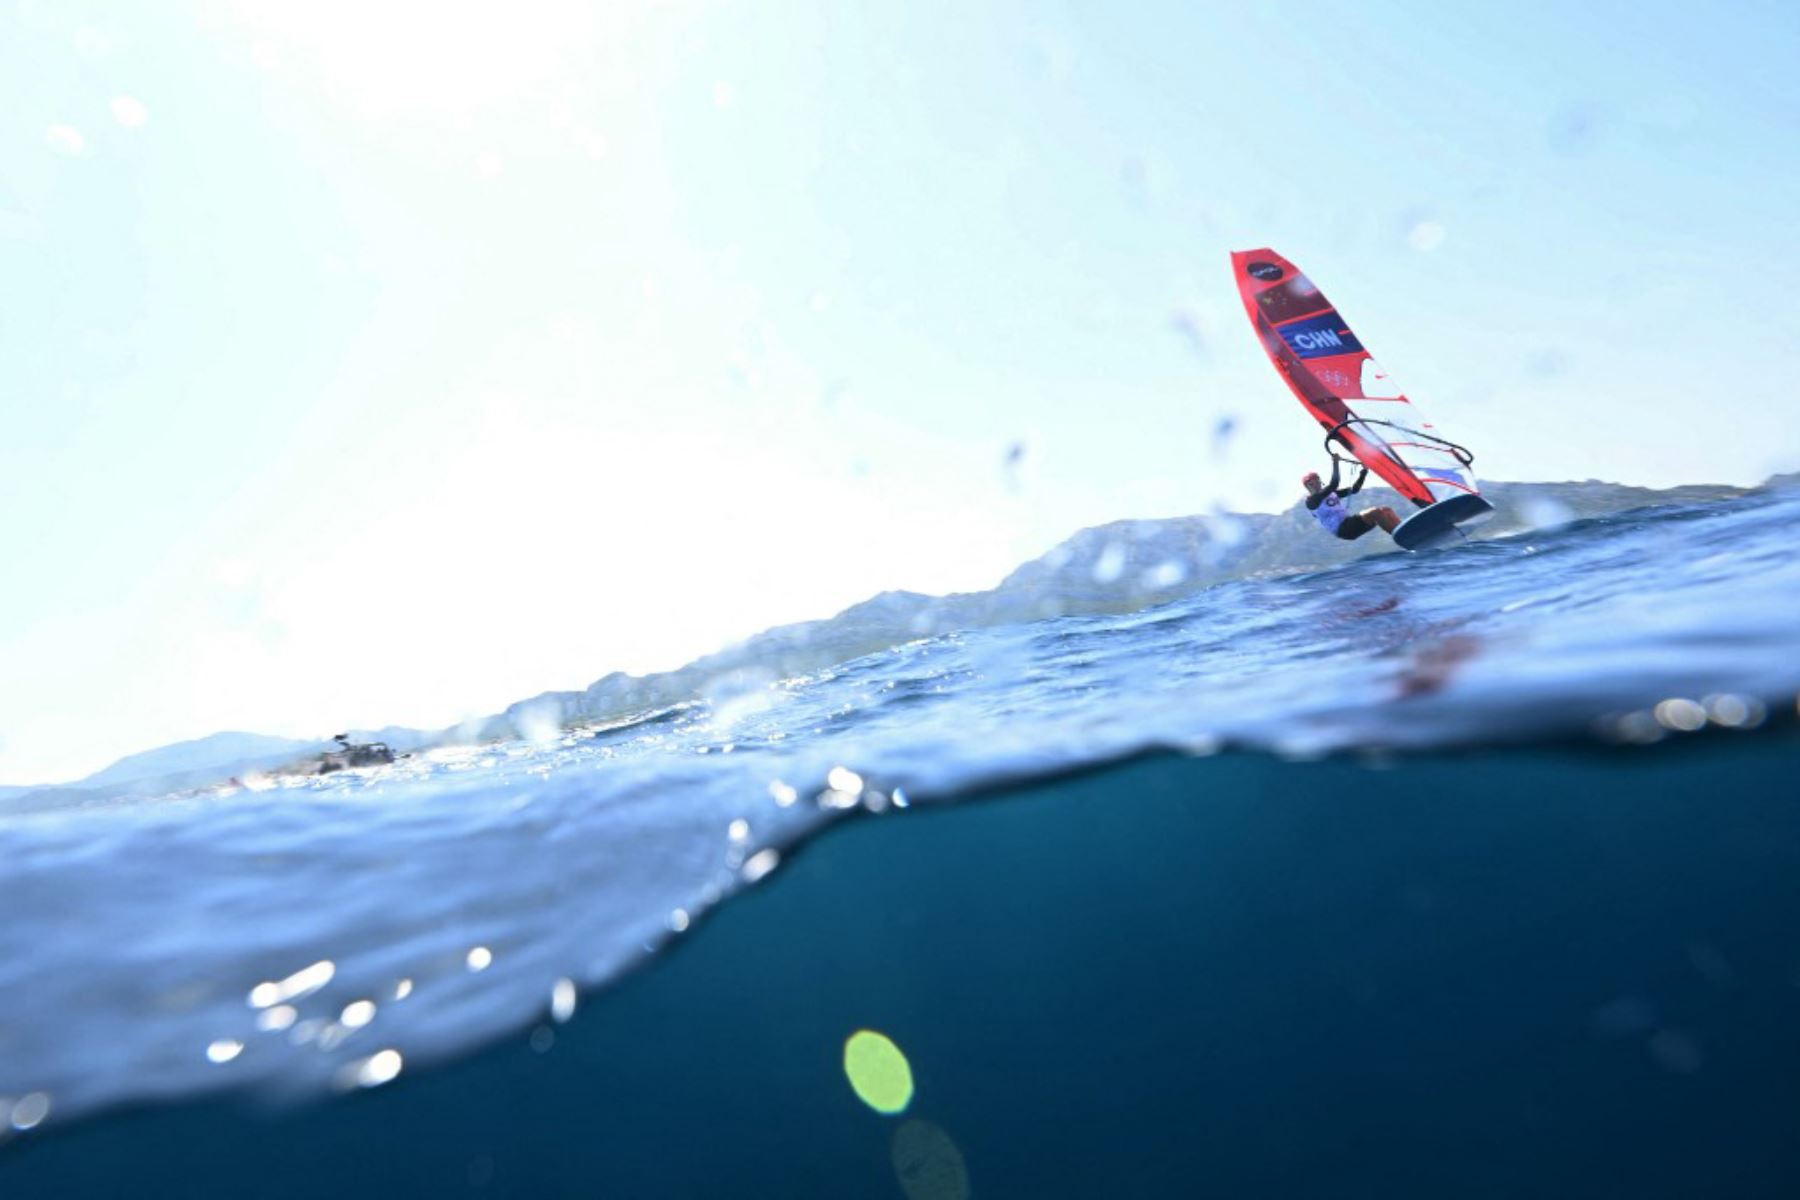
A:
(1470, 872)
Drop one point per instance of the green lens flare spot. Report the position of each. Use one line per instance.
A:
(878, 1072)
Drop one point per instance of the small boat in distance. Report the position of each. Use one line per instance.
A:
(1362, 410)
(353, 754)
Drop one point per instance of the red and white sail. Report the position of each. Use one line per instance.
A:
(1345, 390)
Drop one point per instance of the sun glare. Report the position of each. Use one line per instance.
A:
(409, 57)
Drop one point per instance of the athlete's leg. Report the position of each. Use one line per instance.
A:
(1384, 517)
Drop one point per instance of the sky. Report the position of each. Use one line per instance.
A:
(369, 363)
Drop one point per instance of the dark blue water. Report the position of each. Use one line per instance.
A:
(1528, 926)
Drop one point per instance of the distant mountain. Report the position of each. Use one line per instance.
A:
(1118, 567)
(201, 754)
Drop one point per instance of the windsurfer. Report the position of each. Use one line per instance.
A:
(1326, 503)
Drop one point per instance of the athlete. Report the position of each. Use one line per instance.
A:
(1326, 504)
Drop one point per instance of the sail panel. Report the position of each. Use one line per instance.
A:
(1340, 384)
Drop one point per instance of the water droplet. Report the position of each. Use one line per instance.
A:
(30, 1111)
(277, 1018)
(379, 1068)
(224, 1050)
(65, 139)
(1186, 322)
(1426, 236)
(130, 112)
(760, 864)
(562, 1000)
(1165, 575)
(1679, 714)
(303, 982)
(1734, 712)
(1110, 564)
(1639, 728)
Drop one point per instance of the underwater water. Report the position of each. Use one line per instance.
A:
(1466, 872)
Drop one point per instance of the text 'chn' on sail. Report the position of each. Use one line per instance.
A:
(1348, 393)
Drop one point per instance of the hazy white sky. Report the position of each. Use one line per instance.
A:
(387, 362)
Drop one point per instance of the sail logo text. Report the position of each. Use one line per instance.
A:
(1320, 336)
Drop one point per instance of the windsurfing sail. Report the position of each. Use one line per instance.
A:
(1347, 392)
